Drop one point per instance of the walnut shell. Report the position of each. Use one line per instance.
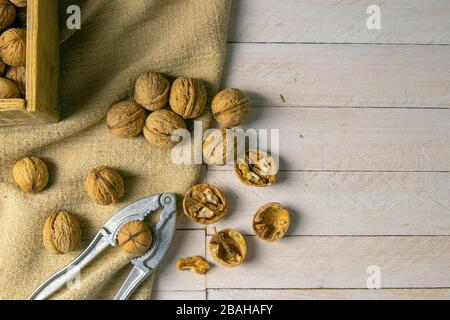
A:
(258, 169)
(105, 186)
(228, 247)
(204, 204)
(196, 264)
(62, 233)
(13, 47)
(19, 3)
(8, 89)
(7, 14)
(188, 98)
(219, 147)
(271, 222)
(30, 175)
(18, 75)
(152, 91)
(135, 238)
(126, 119)
(160, 126)
(231, 107)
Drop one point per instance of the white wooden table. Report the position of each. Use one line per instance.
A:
(364, 120)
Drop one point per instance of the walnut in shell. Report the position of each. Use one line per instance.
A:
(160, 126)
(105, 185)
(7, 14)
(271, 222)
(228, 247)
(19, 3)
(152, 91)
(135, 238)
(188, 97)
(204, 204)
(126, 119)
(219, 147)
(30, 175)
(8, 89)
(62, 233)
(257, 169)
(13, 44)
(231, 107)
(196, 264)
(18, 75)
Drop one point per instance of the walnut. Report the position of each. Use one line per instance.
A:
(7, 14)
(135, 238)
(231, 107)
(228, 247)
(18, 75)
(257, 170)
(196, 264)
(152, 91)
(188, 98)
(19, 3)
(219, 147)
(271, 222)
(204, 204)
(126, 119)
(8, 89)
(105, 186)
(13, 43)
(30, 175)
(160, 126)
(62, 233)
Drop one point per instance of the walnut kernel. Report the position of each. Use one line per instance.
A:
(152, 91)
(204, 204)
(30, 175)
(62, 233)
(160, 126)
(188, 98)
(271, 222)
(258, 169)
(231, 107)
(126, 119)
(105, 185)
(135, 238)
(228, 247)
(196, 264)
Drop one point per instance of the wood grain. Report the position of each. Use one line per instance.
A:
(324, 294)
(340, 21)
(379, 76)
(358, 139)
(339, 262)
(345, 203)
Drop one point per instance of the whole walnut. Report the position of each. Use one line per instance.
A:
(231, 107)
(152, 91)
(160, 126)
(19, 3)
(126, 119)
(7, 14)
(188, 98)
(62, 233)
(8, 89)
(18, 75)
(105, 186)
(135, 238)
(13, 47)
(30, 175)
(219, 147)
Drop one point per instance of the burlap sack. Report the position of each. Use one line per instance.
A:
(119, 40)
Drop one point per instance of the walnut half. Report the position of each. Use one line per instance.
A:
(205, 204)
(257, 169)
(271, 222)
(228, 247)
(196, 264)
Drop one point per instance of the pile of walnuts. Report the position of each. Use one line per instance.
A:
(13, 43)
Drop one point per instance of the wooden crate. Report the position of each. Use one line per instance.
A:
(42, 74)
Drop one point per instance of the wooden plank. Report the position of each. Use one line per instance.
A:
(341, 75)
(345, 203)
(324, 294)
(178, 295)
(340, 21)
(359, 139)
(338, 262)
(186, 243)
